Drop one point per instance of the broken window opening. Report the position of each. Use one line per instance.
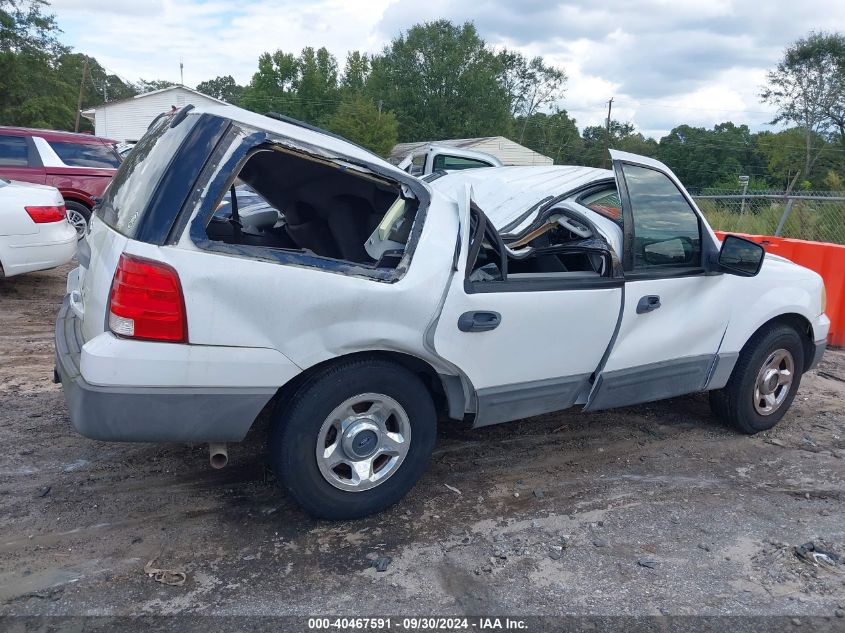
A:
(292, 202)
(561, 247)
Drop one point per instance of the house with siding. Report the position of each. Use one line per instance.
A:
(508, 151)
(128, 119)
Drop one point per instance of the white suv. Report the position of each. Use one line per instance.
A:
(363, 304)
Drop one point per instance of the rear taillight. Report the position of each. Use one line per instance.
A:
(43, 215)
(146, 301)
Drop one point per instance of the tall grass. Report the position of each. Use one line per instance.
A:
(815, 220)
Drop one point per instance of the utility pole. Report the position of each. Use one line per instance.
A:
(81, 89)
(181, 72)
(607, 135)
(105, 100)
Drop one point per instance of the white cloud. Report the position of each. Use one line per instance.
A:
(212, 38)
(664, 62)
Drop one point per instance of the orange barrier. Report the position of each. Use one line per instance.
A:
(828, 260)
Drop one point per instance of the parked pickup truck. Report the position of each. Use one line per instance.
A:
(369, 304)
(435, 157)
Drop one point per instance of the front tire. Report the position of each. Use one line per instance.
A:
(353, 439)
(764, 381)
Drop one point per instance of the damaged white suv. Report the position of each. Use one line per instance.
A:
(239, 261)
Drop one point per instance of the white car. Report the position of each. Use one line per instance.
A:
(34, 230)
(374, 303)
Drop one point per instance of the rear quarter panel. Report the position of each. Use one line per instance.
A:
(79, 184)
(309, 314)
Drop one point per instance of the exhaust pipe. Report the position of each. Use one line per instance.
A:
(218, 456)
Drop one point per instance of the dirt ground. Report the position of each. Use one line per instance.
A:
(645, 510)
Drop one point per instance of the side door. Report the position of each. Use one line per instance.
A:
(529, 344)
(674, 314)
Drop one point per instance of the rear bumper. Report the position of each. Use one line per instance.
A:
(52, 246)
(821, 329)
(818, 352)
(149, 414)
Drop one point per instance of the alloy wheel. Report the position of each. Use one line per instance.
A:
(363, 442)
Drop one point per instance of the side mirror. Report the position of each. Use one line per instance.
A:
(739, 256)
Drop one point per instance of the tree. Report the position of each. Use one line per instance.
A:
(554, 135)
(355, 73)
(99, 86)
(530, 85)
(316, 88)
(359, 120)
(223, 87)
(304, 87)
(442, 81)
(704, 158)
(806, 87)
(32, 92)
(622, 136)
(785, 155)
(273, 87)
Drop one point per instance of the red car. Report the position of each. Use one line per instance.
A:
(80, 166)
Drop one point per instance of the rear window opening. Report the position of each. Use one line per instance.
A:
(290, 202)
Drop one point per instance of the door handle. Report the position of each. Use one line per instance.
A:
(648, 303)
(479, 321)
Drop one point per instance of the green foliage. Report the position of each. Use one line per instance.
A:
(25, 28)
(355, 74)
(29, 80)
(304, 87)
(359, 120)
(833, 181)
(316, 90)
(224, 87)
(784, 153)
(808, 89)
(816, 220)
(40, 78)
(554, 135)
(442, 81)
(622, 136)
(530, 85)
(701, 157)
(273, 87)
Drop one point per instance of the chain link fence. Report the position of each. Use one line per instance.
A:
(818, 216)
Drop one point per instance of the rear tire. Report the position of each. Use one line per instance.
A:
(79, 216)
(371, 413)
(764, 381)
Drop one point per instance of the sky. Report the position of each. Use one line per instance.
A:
(664, 62)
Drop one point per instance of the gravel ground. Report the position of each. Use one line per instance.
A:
(655, 509)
